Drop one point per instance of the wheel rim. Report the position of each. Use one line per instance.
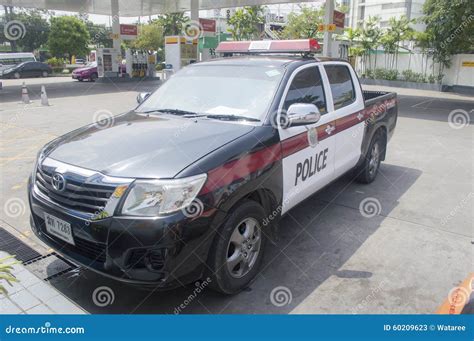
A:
(374, 159)
(243, 248)
(17, 75)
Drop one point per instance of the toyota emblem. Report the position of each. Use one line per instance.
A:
(58, 182)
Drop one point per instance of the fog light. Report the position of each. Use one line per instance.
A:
(155, 259)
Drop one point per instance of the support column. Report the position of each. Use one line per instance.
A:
(194, 10)
(114, 5)
(329, 9)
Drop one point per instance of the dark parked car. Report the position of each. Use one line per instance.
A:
(27, 69)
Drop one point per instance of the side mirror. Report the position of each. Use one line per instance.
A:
(299, 114)
(142, 96)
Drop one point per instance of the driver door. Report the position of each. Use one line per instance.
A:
(307, 151)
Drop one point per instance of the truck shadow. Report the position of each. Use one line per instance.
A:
(316, 239)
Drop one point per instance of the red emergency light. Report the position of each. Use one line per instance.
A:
(269, 46)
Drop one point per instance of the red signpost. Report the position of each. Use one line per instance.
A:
(338, 19)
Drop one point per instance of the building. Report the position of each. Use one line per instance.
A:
(360, 10)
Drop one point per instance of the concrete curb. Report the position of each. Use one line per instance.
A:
(31, 295)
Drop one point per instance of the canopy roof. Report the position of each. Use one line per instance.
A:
(133, 8)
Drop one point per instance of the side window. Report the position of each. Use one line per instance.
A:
(342, 88)
(307, 87)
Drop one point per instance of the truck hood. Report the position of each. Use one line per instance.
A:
(143, 146)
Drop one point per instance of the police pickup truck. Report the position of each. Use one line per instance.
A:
(191, 184)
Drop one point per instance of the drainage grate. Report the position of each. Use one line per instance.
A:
(14, 246)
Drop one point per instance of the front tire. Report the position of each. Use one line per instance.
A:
(367, 172)
(93, 77)
(237, 251)
(16, 75)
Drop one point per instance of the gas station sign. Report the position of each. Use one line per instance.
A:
(128, 31)
(208, 25)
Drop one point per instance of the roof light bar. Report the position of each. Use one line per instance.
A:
(269, 46)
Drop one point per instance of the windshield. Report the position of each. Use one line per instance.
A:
(218, 90)
(91, 64)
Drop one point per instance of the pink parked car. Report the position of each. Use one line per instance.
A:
(90, 72)
(87, 72)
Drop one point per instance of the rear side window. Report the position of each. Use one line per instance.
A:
(342, 89)
(307, 87)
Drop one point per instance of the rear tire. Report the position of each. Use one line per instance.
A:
(44, 74)
(367, 172)
(238, 248)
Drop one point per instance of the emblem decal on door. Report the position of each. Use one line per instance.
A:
(311, 166)
(313, 137)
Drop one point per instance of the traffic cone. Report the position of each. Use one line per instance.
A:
(44, 96)
(24, 94)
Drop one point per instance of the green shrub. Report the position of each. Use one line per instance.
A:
(56, 62)
(6, 273)
(411, 76)
(390, 75)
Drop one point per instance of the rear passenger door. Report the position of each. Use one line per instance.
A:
(307, 151)
(346, 105)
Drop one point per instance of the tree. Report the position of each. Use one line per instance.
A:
(68, 36)
(172, 23)
(150, 37)
(246, 23)
(424, 41)
(370, 35)
(399, 30)
(450, 23)
(36, 29)
(304, 24)
(99, 34)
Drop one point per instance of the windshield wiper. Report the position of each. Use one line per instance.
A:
(175, 112)
(233, 118)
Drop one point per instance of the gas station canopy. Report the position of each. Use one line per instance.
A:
(133, 8)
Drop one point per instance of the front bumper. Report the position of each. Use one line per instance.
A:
(163, 252)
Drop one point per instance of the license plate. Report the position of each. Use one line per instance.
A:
(58, 228)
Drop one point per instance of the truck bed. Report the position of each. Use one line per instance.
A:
(370, 97)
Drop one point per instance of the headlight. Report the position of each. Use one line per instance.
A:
(156, 197)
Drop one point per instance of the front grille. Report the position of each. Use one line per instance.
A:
(91, 250)
(77, 195)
